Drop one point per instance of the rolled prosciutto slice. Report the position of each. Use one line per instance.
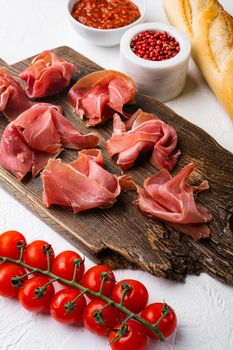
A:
(13, 99)
(98, 95)
(39, 133)
(47, 75)
(172, 200)
(143, 132)
(81, 185)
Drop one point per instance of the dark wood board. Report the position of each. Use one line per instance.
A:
(121, 236)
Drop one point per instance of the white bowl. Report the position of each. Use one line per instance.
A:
(104, 37)
(163, 80)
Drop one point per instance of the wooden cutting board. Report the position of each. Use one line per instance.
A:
(121, 236)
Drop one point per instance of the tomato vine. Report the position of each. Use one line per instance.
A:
(130, 315)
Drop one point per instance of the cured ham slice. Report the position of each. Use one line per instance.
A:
(16, 155)
(82, 184)
(143, 132)
(13, 99)
(98, 95)
(39, 133)
(47, 75)
(46, 129)
(171, 199)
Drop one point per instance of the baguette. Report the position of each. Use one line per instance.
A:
(210, 29)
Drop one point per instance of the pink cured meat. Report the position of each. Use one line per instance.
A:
(81, 185)
(46, 129)
(98, 95)
(18, 157)
(36, 135)
(146, 133)
(47, 75)
(13, 99)
(15, 155)
(171, 199)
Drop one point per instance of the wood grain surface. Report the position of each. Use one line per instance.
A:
(121, 236)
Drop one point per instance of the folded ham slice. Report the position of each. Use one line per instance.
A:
(39, 133)
(171, 199)
(81, 185)
(47, 75)
(146, 133)
(13, 99)
(46, 129)
(98, 95)
(17, 157)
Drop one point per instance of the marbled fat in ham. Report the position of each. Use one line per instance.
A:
(172, 200)
(13, 99)
(143, 132)
(81, 185)
(39, 133)
(47, 75)
(98, 95)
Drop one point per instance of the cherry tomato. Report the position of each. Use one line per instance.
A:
(92, 319)
(136, 297)
(3, 264)
(63, 310)
(8, 244)
(152, 314)
(30, 299)
(7, 272)
(35, 256)
(63, 266)
(92, 280)
(135, 337)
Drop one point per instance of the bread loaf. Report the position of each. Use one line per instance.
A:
(210, 29)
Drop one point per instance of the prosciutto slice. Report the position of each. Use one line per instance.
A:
(143, 132)
(38, 134)
(45, 129)
(81, 185)
(47, 75)
(13, 99)
(172, 200)
(98, 95)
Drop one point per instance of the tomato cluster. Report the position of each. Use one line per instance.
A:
(36, 293)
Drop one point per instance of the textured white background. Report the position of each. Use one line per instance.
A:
(204, 306)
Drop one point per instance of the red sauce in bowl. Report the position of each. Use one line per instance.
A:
(105, 14)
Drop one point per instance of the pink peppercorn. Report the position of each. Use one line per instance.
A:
(155, 46)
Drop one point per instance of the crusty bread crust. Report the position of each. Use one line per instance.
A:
(210, 29)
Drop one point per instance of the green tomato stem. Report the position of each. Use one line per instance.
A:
(126, 288)
(153, 328)
(76, 298)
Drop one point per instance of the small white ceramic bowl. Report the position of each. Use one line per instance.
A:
(104, 37)
(163, 80)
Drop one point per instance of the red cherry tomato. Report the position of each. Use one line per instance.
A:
(29, 298)
(135, 337)
(152, 314)
(35, 256)
(63, 310)
(92, 322)
(8, 244)
(136, 297)
(92, 280)
(2, 264)
(7, 272)
(63, 266)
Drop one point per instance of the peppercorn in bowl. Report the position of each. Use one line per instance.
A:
(103, 22)
(156, 56)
